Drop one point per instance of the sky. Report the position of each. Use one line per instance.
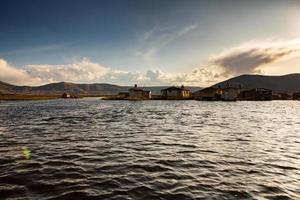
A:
(170, 42)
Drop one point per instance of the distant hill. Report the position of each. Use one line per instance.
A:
(287, 83)
(54, 89)
(57, 89)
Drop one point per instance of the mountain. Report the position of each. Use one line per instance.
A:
(287, 83)
(96, 89)
(54, 89)
(6, 88)
(57, 89)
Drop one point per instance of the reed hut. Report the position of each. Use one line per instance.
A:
(176, 93)
(257, 94)
(208, 94)
(136, 93)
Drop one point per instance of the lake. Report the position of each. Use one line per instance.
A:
(95, 149)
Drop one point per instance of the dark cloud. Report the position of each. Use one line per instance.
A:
(252, 59)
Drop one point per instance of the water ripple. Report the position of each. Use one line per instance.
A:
(94, 149)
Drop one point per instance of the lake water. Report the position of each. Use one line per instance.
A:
(95, 149)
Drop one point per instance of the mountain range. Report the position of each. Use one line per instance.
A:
(287, 83)
(57, 89)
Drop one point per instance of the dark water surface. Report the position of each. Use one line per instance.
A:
(94, 149)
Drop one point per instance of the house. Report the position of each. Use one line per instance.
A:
(296, 96)
(208, 94)
(282, 96)
(137, 93)
(123, 94)
(230, 94)
(176, 93)
(257, 94)
(66, 95)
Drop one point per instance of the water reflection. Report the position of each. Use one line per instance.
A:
(93, 149)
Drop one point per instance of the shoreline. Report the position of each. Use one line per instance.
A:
(10, 97)
(26, 97)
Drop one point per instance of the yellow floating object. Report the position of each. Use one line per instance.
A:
(26, 153)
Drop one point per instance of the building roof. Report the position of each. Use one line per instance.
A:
(231, 88)
(123, 93)
(175, 88)
(207, 90)
(257, 89)
(136, 89)
(262, 89)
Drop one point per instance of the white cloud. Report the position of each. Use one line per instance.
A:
(197, 77)
(17, 76)
(187, 29)
(147, 54)
(146, 35)
(81, 71)
(86, 71)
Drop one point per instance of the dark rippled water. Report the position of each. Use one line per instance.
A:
(94, 149)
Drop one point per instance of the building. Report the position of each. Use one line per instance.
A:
(257, 94)
(282, 96)
(296, 96)
(123, 94)
(208, 94)
(137, 93)
(176, 93)
(230, 94)
(66, 95)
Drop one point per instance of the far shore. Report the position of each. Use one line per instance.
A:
(14, 97)
(26, 97)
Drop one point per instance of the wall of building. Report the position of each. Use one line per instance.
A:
(139, 94)
(136, 93)
(229, 94)
(185, 93)
(173, 93)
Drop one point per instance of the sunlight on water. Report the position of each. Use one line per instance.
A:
(94, 149)
(26, 153)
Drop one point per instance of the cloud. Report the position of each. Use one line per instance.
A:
(146, 35)
(152, 41)
(147, 54)
(251, 57)
(124, 77)
(254, 56)
(197, 77)
(14, 75)
(80, 71)
(187, 29)
(86, 71)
